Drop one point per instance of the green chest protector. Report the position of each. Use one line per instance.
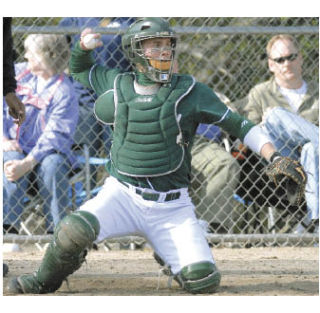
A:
(147, 139)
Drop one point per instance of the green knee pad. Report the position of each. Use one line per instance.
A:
(76, 232)
(73, 237)
(202, 277)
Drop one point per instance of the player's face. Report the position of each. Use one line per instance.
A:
(285, 61)
(157, 48)
(159, 52)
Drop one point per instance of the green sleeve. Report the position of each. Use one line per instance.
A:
(80, 64)
(84, 69)
(211, 110)
(236, 125)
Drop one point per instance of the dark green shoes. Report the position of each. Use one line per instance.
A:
(29, 284)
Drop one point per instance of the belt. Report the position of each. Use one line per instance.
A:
(154, 196)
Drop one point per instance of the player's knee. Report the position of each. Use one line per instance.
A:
(202, 277)
(77, 231)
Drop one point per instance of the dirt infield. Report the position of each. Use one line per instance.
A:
(249, 272)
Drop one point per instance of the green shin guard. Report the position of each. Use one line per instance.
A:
(202, 277)
(73, 237)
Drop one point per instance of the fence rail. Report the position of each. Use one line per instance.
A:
(289, 239)
(228, 30)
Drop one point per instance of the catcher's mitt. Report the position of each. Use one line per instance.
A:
(293, 174)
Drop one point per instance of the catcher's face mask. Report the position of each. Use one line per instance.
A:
(151, 43)
(158, 56)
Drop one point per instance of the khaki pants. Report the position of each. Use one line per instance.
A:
(215, 175)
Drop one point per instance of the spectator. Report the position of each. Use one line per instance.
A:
(40, 148)
(288, 108)
(89, 130)
(215, 177)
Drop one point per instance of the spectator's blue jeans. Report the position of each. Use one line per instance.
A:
(52, 183)
(294, 136)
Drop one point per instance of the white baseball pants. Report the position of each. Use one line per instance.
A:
(171, 227)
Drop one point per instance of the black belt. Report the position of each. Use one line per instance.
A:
(154, 196)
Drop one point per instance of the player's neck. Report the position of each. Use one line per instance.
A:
(146, 90)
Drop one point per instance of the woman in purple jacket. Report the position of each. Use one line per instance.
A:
(40, 148)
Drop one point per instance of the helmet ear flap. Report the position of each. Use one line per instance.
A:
(130, 53)
(130, 48)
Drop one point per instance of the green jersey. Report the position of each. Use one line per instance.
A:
(200, 105)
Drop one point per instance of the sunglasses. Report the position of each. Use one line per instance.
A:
(290, 57)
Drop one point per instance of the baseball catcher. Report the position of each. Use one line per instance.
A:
(154, 113)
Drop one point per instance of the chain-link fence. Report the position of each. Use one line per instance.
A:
(233, 198)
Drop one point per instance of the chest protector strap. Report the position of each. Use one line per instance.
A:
(147, 137)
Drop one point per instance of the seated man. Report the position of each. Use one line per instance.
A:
(288, 109)
(41, 146)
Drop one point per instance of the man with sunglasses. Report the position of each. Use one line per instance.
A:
(288, 108)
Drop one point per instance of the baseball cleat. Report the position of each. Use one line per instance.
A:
(30, 284)
(25, 284)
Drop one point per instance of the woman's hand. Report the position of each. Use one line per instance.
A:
(14, 169)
